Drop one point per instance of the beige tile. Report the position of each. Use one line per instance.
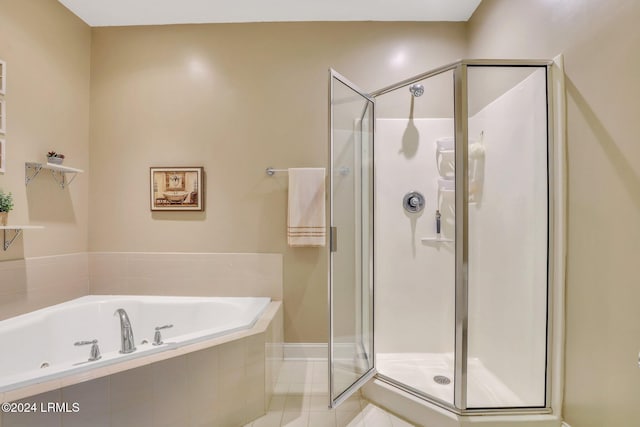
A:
(399, 422)
(320, 374)
(295, 419)
(140, 286)
(131, 393)
(45, 297)
(13, 305)
(170, 392)
(317, 388)
(107, 264)
(373, 416)
(349, 418)
(319, 402)
(232, 356)
(105, 285)
(280, 388)
(231, 415)
(58, 272)
(300, 388)
(32, 390)
(37, 418)
(207, 273)
(202, 376)
(254, 408)
(296, 372)
(93, 400)
(297, 403)
(255, 349)
(204, 416)
(322, 419)
(277, 403)
(85, 376)
(270, 419)
(352, 404)
(14, 277)
(255, 395)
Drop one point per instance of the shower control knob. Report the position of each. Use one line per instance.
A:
(413, 202)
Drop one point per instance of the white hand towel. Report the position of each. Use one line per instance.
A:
(306, 220)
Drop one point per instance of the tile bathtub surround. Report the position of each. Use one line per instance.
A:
(301, 399)
(186, 274)
(34, 283)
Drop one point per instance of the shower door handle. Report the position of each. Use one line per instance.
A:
(333, 239)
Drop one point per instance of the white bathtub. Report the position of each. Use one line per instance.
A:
(46, 337)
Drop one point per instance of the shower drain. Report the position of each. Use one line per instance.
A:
(441, 379)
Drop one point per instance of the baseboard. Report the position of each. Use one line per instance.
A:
(565, 424)
(305, 351)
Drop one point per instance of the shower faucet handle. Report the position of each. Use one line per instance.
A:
(157, 337)
(413, 202)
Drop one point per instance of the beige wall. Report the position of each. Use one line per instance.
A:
(234, 98)
(238, 98)
(600, 41)
(47, 50)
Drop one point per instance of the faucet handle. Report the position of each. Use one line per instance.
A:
(85, 342)
(157, 337)
(95, 350)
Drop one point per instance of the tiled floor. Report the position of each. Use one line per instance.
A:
(300, 399)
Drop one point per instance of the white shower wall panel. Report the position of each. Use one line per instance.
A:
(508, 240)
(414, 281)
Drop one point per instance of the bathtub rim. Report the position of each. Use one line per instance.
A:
(260, 326)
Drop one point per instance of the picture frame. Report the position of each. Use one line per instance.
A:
(3, 77)
(3, 157)
(3, 117)
(177, 188)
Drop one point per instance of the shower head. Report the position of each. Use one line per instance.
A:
(416, 90)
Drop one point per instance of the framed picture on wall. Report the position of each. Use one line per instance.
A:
(3, 158)
(3, 117)
(177, 189)
(3, 77)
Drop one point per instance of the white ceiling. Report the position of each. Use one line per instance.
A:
(99, 13)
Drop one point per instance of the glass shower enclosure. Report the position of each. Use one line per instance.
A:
(439, 268)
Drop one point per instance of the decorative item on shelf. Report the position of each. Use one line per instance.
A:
(6, 204)
(55, 158)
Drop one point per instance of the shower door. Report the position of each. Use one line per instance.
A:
(351, 209)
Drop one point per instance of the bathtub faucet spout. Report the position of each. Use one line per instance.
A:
(126, 332)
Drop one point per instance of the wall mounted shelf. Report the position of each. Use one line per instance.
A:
(58, 172)
(11, 232)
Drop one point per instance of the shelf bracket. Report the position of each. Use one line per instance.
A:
(8, 240)
(60, 178)
(36, 170)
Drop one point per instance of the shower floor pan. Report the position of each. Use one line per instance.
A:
(428, 373)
